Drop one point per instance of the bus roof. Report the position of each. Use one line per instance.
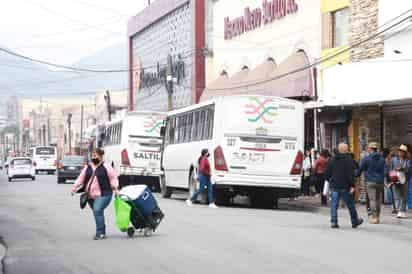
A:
(221, 98)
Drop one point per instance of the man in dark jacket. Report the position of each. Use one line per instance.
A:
(373, 167)
(341, 176)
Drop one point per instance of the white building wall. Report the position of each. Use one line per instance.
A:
(402, 41)
(278, 39)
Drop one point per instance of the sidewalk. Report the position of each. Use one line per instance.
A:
(387, 217)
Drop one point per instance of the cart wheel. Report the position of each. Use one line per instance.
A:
(148, 232)
(130, 232)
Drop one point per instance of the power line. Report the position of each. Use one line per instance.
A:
(72, 68)
(69, 18)
(101, 7)
(46, 36)
(322, 60)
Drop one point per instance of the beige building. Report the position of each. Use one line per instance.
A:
(245, 34)
(253, 45)
(44, 121)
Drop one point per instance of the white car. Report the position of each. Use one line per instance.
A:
(21, 167)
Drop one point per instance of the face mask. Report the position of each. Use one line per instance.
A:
(95, 161)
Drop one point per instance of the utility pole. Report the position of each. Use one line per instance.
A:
(108, 105)
(81, 129)
(44, 134)
(48, 130)
(169, 82)
(69, 125)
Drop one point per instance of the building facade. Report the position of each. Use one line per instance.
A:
(166, 42)
(365, 92)
(253, 46)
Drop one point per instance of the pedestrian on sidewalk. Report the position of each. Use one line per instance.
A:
(341, 176)
(102, 181)
(307, 172)
(319, 170)
(399, 178)
(204, 175)
(373, 168)
(390, 199)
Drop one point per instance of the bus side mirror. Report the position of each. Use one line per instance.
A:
(163, 131)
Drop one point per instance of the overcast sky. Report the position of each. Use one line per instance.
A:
(64, 31)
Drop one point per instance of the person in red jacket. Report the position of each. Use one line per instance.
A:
(319, 170)
(204, 174)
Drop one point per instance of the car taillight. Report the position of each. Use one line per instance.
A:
(297, 164)
(220, 162)
(125, 158)
(60, 166)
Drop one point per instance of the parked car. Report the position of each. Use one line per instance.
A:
(21, 167)
(69, 168)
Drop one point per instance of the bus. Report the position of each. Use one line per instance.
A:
(44, 159)
(132, 146)
(255, 143)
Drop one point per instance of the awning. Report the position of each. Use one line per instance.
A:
(267, 79)
(368, 82)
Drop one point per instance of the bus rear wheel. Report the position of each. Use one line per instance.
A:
(222, 197)
(263, 199)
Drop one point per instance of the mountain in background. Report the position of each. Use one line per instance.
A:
(28, 79)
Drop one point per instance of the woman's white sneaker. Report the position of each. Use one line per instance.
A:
(213, 205)
(403, 215)
(399, 215)
(189, 202)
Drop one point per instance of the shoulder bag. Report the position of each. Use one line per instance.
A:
(84, 197)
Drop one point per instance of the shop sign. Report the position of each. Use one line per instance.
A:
(145, 79)
(253, 18)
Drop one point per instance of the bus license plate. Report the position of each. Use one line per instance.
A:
(249, 158)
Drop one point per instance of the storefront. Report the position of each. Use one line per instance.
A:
(379, 98)
(165, 51)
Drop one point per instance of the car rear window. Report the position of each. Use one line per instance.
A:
(21, 162)
(44, 150)
(72, 161)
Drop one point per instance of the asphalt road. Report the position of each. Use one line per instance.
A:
(47, 233)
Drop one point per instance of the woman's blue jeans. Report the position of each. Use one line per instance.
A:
(98, 206)
(204, 182)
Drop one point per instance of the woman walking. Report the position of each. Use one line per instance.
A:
(398, 176)
(204, 175)
(101, 180)
(319, 170)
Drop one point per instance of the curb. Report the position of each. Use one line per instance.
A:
(3, 252)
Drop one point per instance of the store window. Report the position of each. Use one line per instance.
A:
(340, 27)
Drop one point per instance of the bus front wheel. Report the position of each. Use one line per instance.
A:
(165, 190)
